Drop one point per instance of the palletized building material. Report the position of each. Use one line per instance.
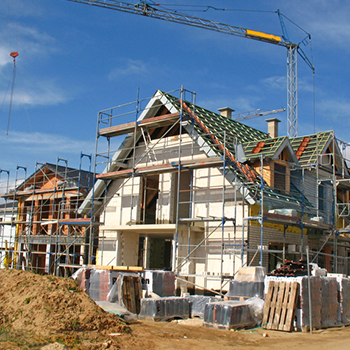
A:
(251, 274)
(126, 291)
(82, 276)
(324, 301)
(344, 300)
(198, 303)
(101, 282)
(228, 315)
(245, 289)
(330, 304)
(164, 309)
(302, 310)
(159, 282)
(303, 318)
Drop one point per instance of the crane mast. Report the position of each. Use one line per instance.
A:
(144, 9)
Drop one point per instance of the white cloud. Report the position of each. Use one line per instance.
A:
(33, 43)
(129, 67)
(275, 82)
(5, 57)
(42, 143)
(34, 94)
(326, 21)
(335, 110)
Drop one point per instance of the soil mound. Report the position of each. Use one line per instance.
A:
(49, 309)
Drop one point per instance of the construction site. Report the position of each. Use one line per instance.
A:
(183, 213)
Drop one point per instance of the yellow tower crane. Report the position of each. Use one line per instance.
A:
(149, 9)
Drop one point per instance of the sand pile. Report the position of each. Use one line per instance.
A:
(51, 308)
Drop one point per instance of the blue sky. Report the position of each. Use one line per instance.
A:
(75, 60)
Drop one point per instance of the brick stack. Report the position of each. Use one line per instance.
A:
(330, 304)
(344, 300)
(228, 315)
(165, 309)
(324, 301)
(101, 282)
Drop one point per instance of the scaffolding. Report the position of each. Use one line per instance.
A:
(220, 213)
(196, 197)
(44, 231)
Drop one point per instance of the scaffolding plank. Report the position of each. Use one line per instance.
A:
(166, 167)
(126, 128)
(117, 130)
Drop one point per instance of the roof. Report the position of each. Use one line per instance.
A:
(221, 134)
(218, 124)
(73, 177)
(308, 148)
(211, 123)
(268, 148)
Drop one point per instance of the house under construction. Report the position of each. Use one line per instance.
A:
(193, 191)
(42, 230)
(179, 187)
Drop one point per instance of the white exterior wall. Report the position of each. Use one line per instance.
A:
(205, 262)
(7, 233)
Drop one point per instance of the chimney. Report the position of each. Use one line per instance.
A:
(226, 111)
(272, 127)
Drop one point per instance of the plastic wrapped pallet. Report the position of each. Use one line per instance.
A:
(251, 274)
(344, 300)
(229, 315)
(324, 301)
(164, 309)
(126, 292)
(101, 282)
(82, 276)
(302, 311)
(330, 304)
(245, 289)
(198, 303)
(159, 282)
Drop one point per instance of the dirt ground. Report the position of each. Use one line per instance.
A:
(45, 312)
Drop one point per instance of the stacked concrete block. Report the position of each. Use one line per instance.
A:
(165, 309)
(242, 289)
(159, 282)
(302, 314)
(228, 315)
(344, 300)
(198, 303)
(324, 301)
(248, 283)
(82, 276)
(101, 282)
(330, 304)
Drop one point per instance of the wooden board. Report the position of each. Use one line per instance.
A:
(131, 293)
(280, 305)
(117, 268)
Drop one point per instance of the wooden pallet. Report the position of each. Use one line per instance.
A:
(131, 293)
(280, 305)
